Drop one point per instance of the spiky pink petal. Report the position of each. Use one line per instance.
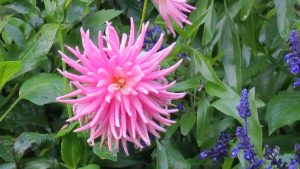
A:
(121, 94)
(174, 9)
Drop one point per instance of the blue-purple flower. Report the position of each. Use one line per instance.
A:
(220, 150)
(244, 142)
(152, 36)
(272, 155)
(293, 58)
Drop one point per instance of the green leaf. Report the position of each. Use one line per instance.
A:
(184, 85)
(203, 66)
(104, 153)
(66, 129)
(99, 18)
(228, 107)
(42, 89)
(283, 109)
(25, 114)
(7, 70)
(8, 166)
(37, 47)
(231, 54)
(6, 148)
(175, 158)
(71, 150)
(187, 122)
(197, 17)
(209, 26)
(41, 163)
(15, 33)
(220, 90)
(91, 166)
(202, 120)
(30, 140)
(254, 127)
(162, 158)
(3, 21)
(284, 14)
(246, 6)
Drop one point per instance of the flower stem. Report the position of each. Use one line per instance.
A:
(9, 109)
(143, 14)
(10, 95)
(61, 44)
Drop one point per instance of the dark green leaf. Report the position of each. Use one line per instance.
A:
(7, 70)
(3, 21)
(6, 148)
(91, 166)
(184, 85)
(99, 18)
(254, 127)
(37, 47)
(104, 153)
(161, 159)
(15, 33)
(209, 26)
(231, 54)
(30, 140)
(202, 120)
(25, 114)
(187, 122)
(283, 109)
(281, 9)
(246, 6)
(175, 158)
(41, 163)
(8, 166)
(71, 150)
(67, 128)
(42, 89)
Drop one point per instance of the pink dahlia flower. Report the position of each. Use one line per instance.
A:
(174, 9)
(121, 93)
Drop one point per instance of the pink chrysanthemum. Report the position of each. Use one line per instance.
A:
(121, 93)
(174, 9)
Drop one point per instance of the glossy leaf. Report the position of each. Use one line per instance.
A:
(103, 153)
(184, 85)
(283, 109)
(6, 148)
(30, 140)
(7, 70)
(202, 120)
(90, 166)
(162, 159)
(42, 89)
(231, 54)
(187, 121)
(37, 47)
(71, 150)
(41, 163)
(246, 7)
(99, 18)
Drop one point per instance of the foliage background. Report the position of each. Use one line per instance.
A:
(231, 45)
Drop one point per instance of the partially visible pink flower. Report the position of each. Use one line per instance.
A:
(121, 94)
(174, 9)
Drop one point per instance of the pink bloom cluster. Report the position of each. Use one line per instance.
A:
(121, 94)
(174, 9)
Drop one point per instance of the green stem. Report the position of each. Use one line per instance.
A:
(10, 95)
(275, 62)
(143, 14)
(9, 109)
(61, 44)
